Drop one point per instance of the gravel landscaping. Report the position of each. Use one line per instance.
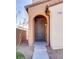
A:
(24, 49)
(55, 54)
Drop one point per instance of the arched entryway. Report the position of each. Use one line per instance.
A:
(40, 28)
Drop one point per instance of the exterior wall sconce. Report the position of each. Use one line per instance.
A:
(47, 11)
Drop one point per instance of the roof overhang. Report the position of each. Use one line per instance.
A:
(34, 4)
(56, 4)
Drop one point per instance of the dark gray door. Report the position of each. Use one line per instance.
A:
(40, 28)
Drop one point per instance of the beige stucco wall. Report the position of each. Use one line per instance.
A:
(32, 12)
(56, 26)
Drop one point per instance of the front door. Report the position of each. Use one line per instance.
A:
(39, 30)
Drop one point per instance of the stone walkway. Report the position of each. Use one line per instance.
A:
(40, 51)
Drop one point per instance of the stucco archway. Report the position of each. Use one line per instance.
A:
(40, 28)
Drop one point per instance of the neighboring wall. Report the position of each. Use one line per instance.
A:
(56, 26)
(20, 34)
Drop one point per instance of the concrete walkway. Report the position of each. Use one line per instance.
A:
(40, 51)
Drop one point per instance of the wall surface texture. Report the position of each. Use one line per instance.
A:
(56, 26)
(32, 12)
(20, 35)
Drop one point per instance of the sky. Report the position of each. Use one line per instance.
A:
(21, 14)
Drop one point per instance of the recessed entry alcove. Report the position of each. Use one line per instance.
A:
(40, 28)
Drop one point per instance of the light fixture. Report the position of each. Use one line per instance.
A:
(47, 11)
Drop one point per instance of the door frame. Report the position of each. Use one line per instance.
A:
(48, 30)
